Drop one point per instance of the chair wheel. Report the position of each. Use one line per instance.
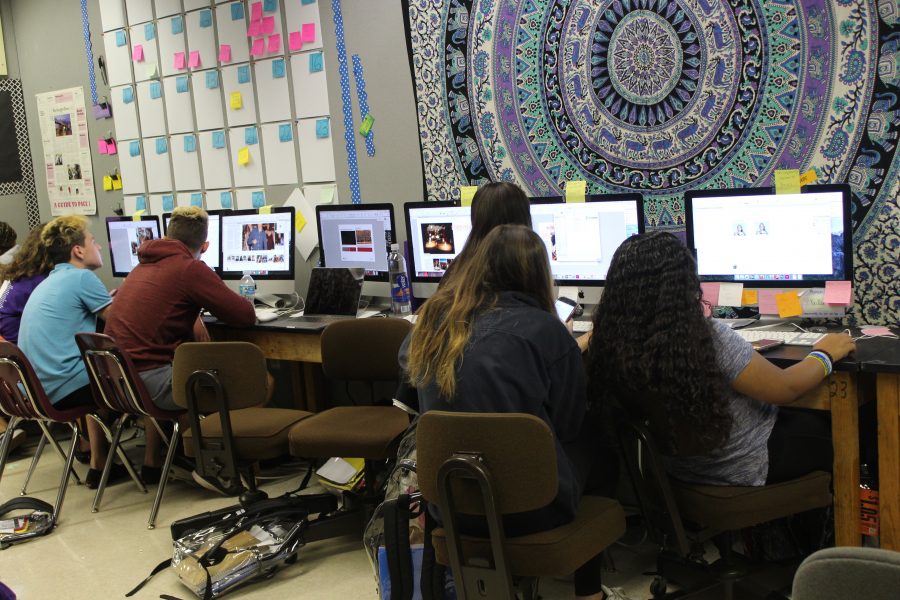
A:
(658, 587)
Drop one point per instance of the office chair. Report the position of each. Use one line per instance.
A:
(841, 573)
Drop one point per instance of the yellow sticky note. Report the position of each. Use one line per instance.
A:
(244, 156)
(237, 101)
(808, 178)
(575, 191)
(117, 183)
(788, 305)
(749, 297)
(466, 193)
(107, 183)
(299, 221)
(265, 210)
(137, 215)
(327, 195)
(787, 181)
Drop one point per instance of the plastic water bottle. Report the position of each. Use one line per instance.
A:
(399, 282)
(247, 288)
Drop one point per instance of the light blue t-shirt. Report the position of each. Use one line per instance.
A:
(64, 304)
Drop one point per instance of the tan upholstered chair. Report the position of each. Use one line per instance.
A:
(494, 464)
(842, 573)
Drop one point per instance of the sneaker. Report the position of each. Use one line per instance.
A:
(217, 484)
(614, 593)
(18, 436)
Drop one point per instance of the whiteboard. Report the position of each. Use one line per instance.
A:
(164, 8)
(152, 116)
(202, 39)
(247, 114)
(169, 43)
(131, 168)
(297, 14)
(315, 193)
(310, 89)
(143, 70)
(124, 115)
(179, 110)
(233, 32)
(118, 59)
(139, 11)
(274, 99)
(207, 103)
(245, 197)
(250, 174)
(185, 165)
(316, 155)
(184, 198)
(216, 169)
(159, 170)
(281, 157)
(214, 199)
(112, 14)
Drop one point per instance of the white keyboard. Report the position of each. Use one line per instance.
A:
(791, 338)
(582, 326)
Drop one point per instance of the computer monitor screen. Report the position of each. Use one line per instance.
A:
(259, 244)
(125, 235)
(356, 236)
(765, 239)
(437, 232)
(212, 256)
(581, 237)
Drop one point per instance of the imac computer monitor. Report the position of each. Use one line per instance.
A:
(259, 244)
(763, 239)
(437, 232)
(356, 236)
(125, 235)
(212, 257)
(581, 237)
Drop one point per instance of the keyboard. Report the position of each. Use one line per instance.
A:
(791, 338)
(582, 326)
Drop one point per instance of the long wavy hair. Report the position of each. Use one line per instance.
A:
(652, 348)
(29, 260)
(512, 258)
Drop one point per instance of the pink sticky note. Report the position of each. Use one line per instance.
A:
(179, 60)
(710, 293)
(225, 53)
(111, 147)
(255, 29)
(258, 47)
(309, 33)
(101, 146)
(274, 43)
(256, 11)
(877, 331)
(295, 40)
(137, 54)
(767, 303)
(194, 60)
(838, 292)
(268, 25)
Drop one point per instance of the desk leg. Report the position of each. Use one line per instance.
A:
(889, 458)
(845, 436)
(313, 387)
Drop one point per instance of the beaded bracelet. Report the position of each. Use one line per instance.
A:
(826, 353)
(822, 358)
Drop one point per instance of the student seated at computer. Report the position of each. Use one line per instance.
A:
(29, 267)
(158, 305)
(652, 343)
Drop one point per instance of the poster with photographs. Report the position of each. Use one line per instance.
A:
(67, 152)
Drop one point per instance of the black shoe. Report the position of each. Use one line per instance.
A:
(117, 474)
(83, 456)
(151, 475)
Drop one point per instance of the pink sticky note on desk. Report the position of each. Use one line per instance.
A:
(179, 60)
(258, 47)
(838, 292)
(194, 60)
(710, 293)
(225, 53)
(268, 25)
(256, 11)
(101, 146)
(295, 41)
(254, 29)
(111, 147)
(137, 54)
(274, 43)
(876, 331)
(308, 33)
(767, 303)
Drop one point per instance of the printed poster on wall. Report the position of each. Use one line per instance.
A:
(67, 152)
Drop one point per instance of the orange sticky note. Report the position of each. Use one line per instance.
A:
(838, 293)
(749, 297)
(788, 305)
(466, 193)
(808, 178)
(299, 221)
(244, 156)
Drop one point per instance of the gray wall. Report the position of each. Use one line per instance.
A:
(44, 46)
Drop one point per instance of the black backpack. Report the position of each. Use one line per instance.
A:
(22, 528)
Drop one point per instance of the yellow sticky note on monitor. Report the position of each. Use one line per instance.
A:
(137, 215)
(107, 183)
(808, 178)
(466, 193)
(787, 181)
(244, 156)
(576, 191)
(788, 305)
(237, 101)
(117, 183)
(299, 221)
(749, 297)
(265, 210)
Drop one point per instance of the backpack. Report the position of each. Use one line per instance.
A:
(22, 528)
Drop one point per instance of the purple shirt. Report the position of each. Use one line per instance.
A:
(12, 303)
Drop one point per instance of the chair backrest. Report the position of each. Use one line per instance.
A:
(363, 349)
(240, 368)
(517, 449)
(114, 379)
(21, 392)
(838, 573)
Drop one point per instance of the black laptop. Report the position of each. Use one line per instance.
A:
(332, 295)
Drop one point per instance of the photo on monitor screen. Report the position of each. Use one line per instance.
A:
(125, 236)
(356, 236)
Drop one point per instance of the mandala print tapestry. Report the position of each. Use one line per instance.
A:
(663, 96)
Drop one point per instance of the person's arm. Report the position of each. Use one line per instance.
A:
(94, 296)
(766, 382)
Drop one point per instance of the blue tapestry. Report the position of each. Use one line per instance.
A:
(663, 96)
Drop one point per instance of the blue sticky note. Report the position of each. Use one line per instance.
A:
(177, 25)
(197, 199)
(140, 203)
(278, 68)
(285, 133)
(218, 139)
(128, 95)
(149, 32)
(321, 128)
(225, 199)
(120, 38)
(134, 148)
(190, 143)
(259, 199)
(308, 1)
(244, 74)
(237, 11)
(212, 80)
(181, 84)
(250, 136)
(155, 90)
(315, 62)
(205, 18)
(162, 146)
(270, 5)
(168, 202)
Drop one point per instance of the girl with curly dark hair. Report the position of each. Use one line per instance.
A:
(29, 267)
(711, 399)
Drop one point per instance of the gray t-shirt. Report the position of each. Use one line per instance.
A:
(744, 457)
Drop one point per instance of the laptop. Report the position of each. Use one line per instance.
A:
(332, 295)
